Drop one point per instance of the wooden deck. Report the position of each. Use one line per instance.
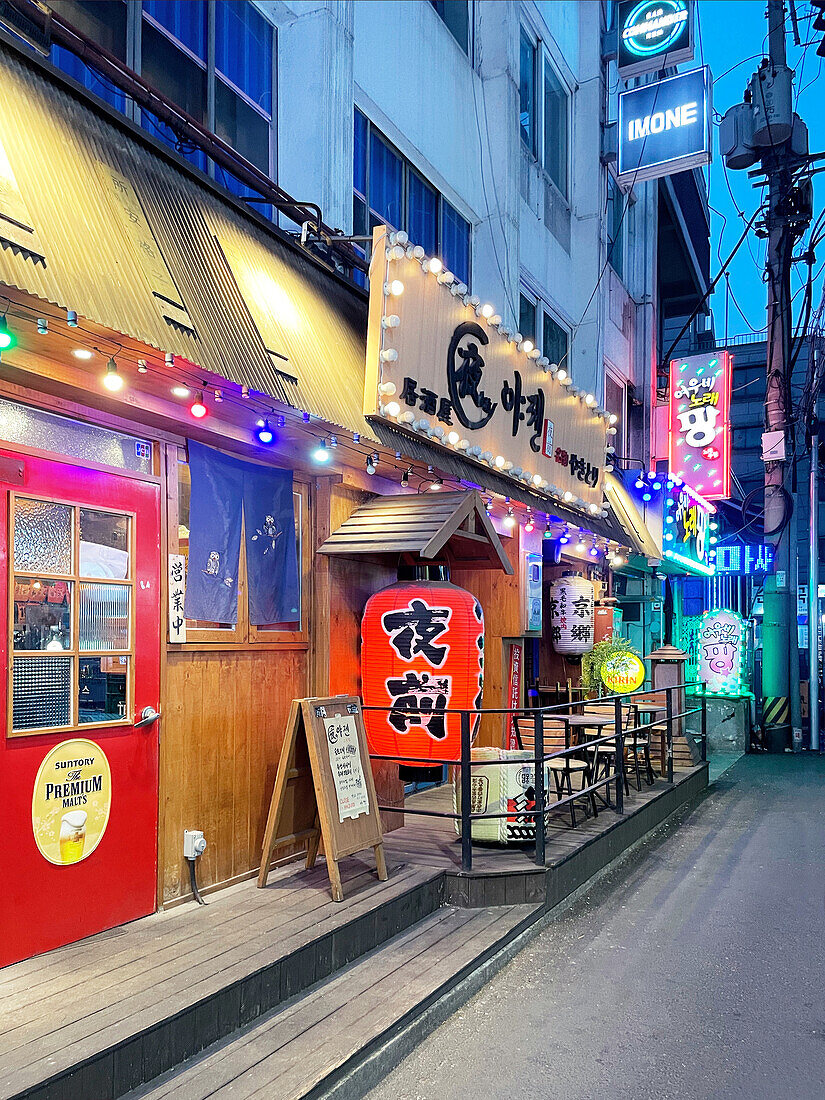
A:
(433, 841)
(95, 1019)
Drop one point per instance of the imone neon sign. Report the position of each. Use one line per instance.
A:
(700, 433)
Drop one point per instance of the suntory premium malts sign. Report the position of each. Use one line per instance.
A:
(664, 127)
(438, 368)
(653, 34)
(71, 800)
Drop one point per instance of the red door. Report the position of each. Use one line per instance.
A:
(79, 585)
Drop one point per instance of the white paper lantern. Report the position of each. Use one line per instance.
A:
(571, 615)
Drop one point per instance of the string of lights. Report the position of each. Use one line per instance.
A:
(202, 394)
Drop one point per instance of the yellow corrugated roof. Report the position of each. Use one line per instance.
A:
(140, 245)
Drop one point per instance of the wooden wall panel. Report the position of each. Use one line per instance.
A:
(351, 583)
(221, 736)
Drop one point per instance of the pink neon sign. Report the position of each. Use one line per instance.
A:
(700, 434)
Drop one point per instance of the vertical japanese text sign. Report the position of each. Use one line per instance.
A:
(177, 591)
(700, 433)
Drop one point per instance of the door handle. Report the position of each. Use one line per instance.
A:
(147, 716)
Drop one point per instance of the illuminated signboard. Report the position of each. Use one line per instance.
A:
(664, 127)
(442, 367)
(653, 34)
(700, 433)
(745, 561)
(721, 653)
(686, 529)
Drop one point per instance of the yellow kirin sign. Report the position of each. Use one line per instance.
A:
(71, 801)
(623, 672)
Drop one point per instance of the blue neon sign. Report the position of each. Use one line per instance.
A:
(653, 34)
(745, 561)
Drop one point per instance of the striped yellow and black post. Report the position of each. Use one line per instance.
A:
(776, 721)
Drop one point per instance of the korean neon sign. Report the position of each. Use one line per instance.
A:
(700, 433)
(687, 529)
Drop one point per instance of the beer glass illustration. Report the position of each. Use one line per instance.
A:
(72, 836)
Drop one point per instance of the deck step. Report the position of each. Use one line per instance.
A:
(307, 1046)
(100, 1017)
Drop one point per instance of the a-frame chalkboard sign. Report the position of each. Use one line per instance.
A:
(324, 789)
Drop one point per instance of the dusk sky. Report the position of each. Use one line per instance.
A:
(729, 30)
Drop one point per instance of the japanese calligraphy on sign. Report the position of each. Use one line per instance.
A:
(177, 591)
(480, 395)
(347, 768)
(700, 433)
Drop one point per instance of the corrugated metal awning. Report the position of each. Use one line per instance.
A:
(448, 526)
(641, 540)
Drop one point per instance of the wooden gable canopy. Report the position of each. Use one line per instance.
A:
(451, 527)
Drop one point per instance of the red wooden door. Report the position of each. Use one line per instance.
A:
(80, 588)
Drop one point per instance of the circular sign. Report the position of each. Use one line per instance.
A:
(623, 672)
(71, 800)
(654, 27)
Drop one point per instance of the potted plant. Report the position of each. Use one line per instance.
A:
(592, 662)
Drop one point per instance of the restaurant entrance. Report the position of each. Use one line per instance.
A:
(79, 756)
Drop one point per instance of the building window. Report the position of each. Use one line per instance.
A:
(615, 401)
(615, 215)
(544, 119)
(105, 22)
(555, 128)
(527, 91)
(536, 323)
(213, 58)
(527, 318)
(388, 190)
(456, 17)
(243, 631)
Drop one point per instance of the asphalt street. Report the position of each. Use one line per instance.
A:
(695, 968)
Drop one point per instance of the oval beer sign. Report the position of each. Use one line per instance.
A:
(623, 672)
(71, 800)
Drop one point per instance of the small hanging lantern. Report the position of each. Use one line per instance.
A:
(571, 615)
(422, 646)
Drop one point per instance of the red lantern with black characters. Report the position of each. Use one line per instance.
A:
(422, 650)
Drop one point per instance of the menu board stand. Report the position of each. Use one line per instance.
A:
(324, 789)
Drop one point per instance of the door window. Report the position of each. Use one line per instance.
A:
(72, 616)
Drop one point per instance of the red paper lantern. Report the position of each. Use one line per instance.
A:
(422, 646)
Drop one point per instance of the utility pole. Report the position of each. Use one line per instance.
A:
(813, 590)
(765, 128)
(776, 635)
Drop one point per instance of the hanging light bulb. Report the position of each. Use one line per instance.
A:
(265, 434)
(405, 477)
(181, 391)
(509, 520)
(529, 525)
(42, 326)
(321, 452)
(142, 366)
(198, 409)
(7, 337)
(372, 462)
(548, 534)
(71, 318)
(436, 484)
(111, 379)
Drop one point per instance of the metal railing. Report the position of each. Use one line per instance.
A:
(618, 738)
